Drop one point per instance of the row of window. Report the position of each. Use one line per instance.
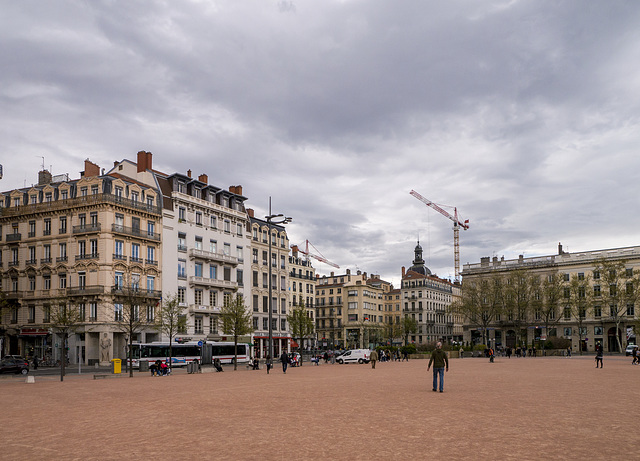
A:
(274, 324)
(213, 221)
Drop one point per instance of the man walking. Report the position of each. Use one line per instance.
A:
(440, 361)
(599, 356)
(284, 358)
(374, 358)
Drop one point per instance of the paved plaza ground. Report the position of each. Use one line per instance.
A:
(542, 408)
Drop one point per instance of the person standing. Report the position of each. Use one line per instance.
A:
(374, 358)
(284, 358)
(269, 363)
(598, 356)
(440, 364)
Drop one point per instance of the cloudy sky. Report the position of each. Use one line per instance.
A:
(523, 114)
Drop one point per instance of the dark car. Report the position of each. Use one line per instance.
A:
(12, 365)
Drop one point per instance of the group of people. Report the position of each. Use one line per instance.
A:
(159, 368)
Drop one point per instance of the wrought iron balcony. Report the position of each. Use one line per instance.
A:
(135, 232)
(87, 229)
(14, 237)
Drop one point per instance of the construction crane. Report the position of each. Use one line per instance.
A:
(457, 224)
(318, 256)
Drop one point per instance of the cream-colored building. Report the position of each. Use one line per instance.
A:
(302, 288)
(83, 241)
(428, 300)
(350, 310)
(597, 320)
(259, 301)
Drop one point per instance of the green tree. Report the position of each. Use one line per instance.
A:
(171, 320)
(300, 324)
(65, 320)
(409, 326)
(481, 302)
(620, 290)
(552, 295)
(236, 321)
(578, 299)
(518, 300)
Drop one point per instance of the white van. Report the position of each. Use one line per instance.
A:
(354, 355)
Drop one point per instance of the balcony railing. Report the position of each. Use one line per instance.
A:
(31, 262)
(45, 261)
(152, 262)
(85, 290)
(193, 253)
(62, 259)
(87, 256)
(193, 280)
(119, 257)
(135, 232)
(134, 259)
(93, 199)
(87, 229)
(14, 237)
(135, 292)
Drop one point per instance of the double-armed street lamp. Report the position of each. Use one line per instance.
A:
(277, 219)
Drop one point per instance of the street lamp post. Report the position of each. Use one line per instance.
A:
(273, 219)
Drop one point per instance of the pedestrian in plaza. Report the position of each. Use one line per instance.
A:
(634, 354)
(326, 357)
(569, 351)
(440, 364)
(284, 358)
(508, 352)
(461, 351)
(599, 356)
(269, 363)
(492, 355)
(374, 358)
(35, 361)
(405, 355)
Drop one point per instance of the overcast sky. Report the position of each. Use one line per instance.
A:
(523, 114)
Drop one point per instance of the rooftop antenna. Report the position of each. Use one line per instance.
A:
(42, 157)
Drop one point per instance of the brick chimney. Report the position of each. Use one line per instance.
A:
(294, 251)
(189, 173)
(239, 190)
(403, 271)
(144, 161)
(250, 212)
(90, 169)
(203, 178)
(232, 189)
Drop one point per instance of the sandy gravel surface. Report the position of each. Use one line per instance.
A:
(542, 408)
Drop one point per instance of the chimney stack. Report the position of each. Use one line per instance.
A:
(250, 212)
(560, 252)
(203, 178)
(144, 161)
(90, 169)
(294, 251)
(403, 271)
(44, 177)
(189, 173)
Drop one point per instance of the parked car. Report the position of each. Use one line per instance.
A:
(294, 359)
(354, 355)
(11, 365)
(630, 348)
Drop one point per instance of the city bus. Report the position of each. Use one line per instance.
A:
(183, 353)
(225, 351)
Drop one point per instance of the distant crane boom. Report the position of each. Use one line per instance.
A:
(318, 256)
(457, 224)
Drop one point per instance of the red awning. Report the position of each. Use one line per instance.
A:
(34, 332)
(294, 344)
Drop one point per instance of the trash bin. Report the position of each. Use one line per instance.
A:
(116, 366)
(144, 366)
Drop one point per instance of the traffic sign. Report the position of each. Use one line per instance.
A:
(200, 343)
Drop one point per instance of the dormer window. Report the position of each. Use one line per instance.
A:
(83, 191)
(225, 202)
(134, 197)
(118, 191)
(181, 187)
(94, 189)
(65, 194)
(34, 199)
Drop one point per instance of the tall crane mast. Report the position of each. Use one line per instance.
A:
(457, 224)
(318, 256)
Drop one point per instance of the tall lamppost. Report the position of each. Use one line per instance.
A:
(273, 219)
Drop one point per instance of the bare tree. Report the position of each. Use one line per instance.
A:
(171, 320)
(129, 299)
(65, 320)
(236, 321)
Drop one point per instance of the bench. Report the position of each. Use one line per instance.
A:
(101, 376)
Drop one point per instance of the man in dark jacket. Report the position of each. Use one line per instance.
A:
(284, 358)
(440, 361)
